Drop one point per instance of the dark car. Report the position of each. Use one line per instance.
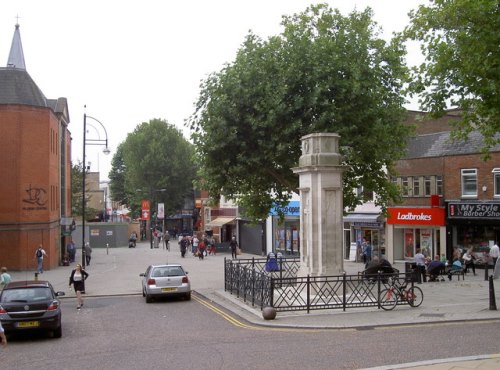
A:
(31, 305)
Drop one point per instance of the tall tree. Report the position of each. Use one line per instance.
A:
(117, 177)
(77, 193)
(461, 43)
(155, 156)
(324, 73)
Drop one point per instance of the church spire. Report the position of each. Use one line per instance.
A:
(16, 55)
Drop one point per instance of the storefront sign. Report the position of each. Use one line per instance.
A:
(474, 210)
(145, 207)
(416, 216)
(292, 209)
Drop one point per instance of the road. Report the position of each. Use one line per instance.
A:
(123, 332)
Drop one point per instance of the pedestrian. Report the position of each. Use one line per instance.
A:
(39, 255)
(77, 279)
(2, 336)
(420, 262)
(194, 245)
(233, 244)
(367, 251)
(183, 243)
(88, 253)
(211, 246)
(71, 249)
(494, 253)
(201, 249)
(4, 278)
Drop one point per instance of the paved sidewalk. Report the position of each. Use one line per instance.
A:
(116, 272)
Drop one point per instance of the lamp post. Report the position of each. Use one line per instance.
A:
(105, 151)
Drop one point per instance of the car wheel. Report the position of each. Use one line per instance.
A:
(148, 298)
(188, 296)
(58, 332)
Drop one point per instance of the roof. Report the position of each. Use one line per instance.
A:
(439, 144)
(19, 88)
(16, 55)
(27, 284)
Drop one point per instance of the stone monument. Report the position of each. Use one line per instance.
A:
(321, 200)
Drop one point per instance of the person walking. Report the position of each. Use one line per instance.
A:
(183, 243)
(71, 249)
(233, 244)
(4, 278)
(194, 246)
(39, 255)
(201, 249)
(77, 279)
(88, 253)
(494, 253)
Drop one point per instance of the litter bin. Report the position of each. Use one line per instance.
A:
(412, 272)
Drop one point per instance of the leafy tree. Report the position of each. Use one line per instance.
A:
(117, 177)
(77, 192)
(324, 73)
(153, 157)
(460, 40)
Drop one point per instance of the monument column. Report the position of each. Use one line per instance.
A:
(321, 210)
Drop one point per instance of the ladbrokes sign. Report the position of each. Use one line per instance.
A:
(416, 216)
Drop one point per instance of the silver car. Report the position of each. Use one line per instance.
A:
(165, 280)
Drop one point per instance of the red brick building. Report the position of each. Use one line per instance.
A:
(35, 191)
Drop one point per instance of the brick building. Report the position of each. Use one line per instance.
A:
(35, 194)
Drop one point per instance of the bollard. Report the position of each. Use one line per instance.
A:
(493, 302)
(107, 248)
(486, 265)
(36, 276)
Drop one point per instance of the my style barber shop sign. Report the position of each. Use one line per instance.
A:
(474, 210)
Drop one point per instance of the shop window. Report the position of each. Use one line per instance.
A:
(439, 185)
(469, 183)
(416, 186)
(496, 181)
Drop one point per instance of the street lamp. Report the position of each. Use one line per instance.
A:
(105, 151)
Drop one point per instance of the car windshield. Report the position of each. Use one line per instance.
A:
(167, 271)
(26, 295)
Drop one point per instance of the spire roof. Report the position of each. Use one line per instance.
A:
(16, 55)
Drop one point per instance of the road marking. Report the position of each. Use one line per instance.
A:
(233, 320)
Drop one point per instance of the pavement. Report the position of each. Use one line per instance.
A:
(115, 271)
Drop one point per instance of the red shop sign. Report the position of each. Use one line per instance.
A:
(416, 216)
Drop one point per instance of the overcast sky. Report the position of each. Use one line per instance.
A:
(132, 61)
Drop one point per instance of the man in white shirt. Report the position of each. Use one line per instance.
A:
(420, 262)
(494, 253)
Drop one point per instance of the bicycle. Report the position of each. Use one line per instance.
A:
(388, 298)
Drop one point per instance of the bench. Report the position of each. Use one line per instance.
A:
(457, 273)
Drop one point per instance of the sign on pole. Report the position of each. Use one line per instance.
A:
(161, 211)
(145, 210)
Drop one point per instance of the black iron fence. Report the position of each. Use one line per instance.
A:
(285, 291)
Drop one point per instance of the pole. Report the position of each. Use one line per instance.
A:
(493, 302)
(83, 189)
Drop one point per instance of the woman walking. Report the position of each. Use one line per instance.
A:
(77, 278)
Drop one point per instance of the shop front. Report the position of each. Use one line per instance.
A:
(359, 227)
(285, 233)
(473, 225)
(412, 228)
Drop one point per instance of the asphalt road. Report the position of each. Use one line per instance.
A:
(126, 333)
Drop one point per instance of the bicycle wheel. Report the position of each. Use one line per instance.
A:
(414, 296)
(388, 298)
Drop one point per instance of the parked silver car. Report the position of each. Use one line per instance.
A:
(165, 280)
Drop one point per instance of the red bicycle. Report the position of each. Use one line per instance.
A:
(389, 297)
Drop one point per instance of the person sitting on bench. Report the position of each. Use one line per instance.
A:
(456, 266)
(435, 268)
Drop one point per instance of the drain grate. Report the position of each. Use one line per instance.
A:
(432, 315)
(360, 328)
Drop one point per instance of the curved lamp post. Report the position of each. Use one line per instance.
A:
(105, 151)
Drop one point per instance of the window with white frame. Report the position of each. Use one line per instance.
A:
(439, 185)
(427, 185)
(405, 185)
(416, 186)
(496, 182)
(469, 182)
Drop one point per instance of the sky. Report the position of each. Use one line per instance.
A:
(132, 61)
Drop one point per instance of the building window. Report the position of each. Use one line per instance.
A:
(416, 186)
(439, 185)
(496, 182)
(469, 183)
(405, 186)
(427, 185)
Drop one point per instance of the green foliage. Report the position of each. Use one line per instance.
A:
(77, 193)
(461, 43)
(154, 156)
(324, 73)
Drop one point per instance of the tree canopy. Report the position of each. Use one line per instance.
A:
(324, 73)
(155, 156)
(461, 43)
(77, 192)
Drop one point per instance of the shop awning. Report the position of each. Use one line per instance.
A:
(362, 217)
(219, 221)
